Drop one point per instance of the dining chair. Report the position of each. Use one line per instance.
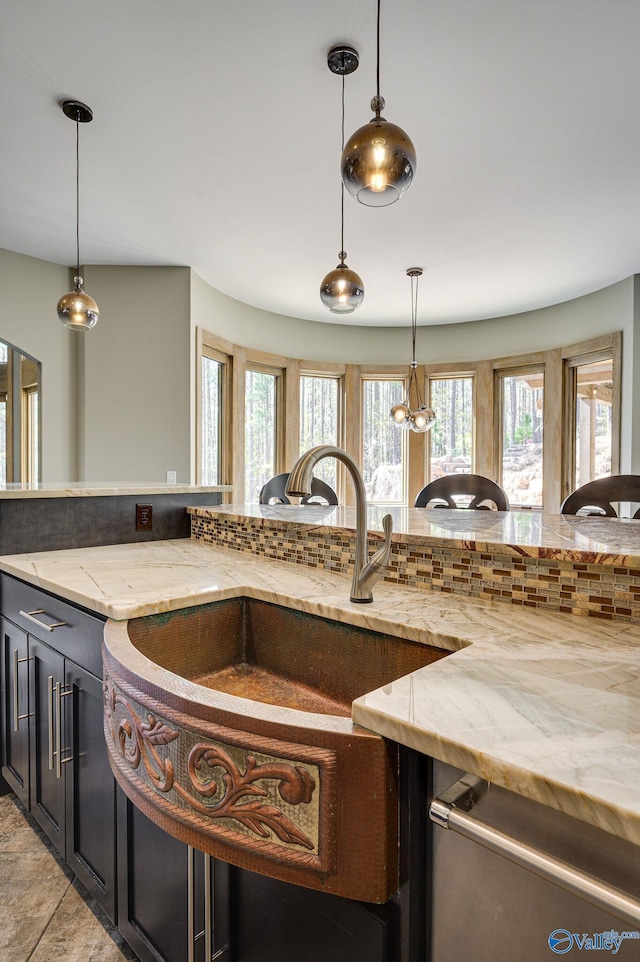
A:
(273, 492)
(597, 497)
(485, 494)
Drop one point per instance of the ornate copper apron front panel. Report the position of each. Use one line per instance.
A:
(324, 817)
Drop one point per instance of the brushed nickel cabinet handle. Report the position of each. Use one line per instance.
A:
(50, 717)
(208, 909)
(59, 695)
(191, 925)
(17, 717)
(41, 624)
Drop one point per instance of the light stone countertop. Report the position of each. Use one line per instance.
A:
(516, 533)
(544, 704)
(99, 489)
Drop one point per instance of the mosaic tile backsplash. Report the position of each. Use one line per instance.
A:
(593, 588)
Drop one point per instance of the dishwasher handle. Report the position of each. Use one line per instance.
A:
(444, 812)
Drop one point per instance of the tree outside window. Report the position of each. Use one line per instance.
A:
(383, 444)
(211, 419)
(260, 437)
(521, 424)
(451, 437)
(593, 391)
(319, 420)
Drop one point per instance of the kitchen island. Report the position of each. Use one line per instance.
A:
(544, 703)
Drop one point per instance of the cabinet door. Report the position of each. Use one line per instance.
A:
(90, 789)
(152, 887)
(14, 677)
(156, 898)
(47, 743)
(273, 920)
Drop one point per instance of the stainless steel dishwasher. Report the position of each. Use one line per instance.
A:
(488, 908)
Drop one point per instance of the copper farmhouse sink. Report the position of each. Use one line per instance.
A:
(229, 725)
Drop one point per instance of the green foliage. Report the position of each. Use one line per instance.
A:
(524, 430)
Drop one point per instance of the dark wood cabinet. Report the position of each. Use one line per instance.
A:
(14, 679)
(173, 902)
(272, 920)
(90, 826)
(46, 744)
(53, 752)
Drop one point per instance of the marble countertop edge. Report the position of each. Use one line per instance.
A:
(514, 534)
(578, 802)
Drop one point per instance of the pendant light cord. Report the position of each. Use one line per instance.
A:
(78, 197)
(413, 377)
(414, 315)
(342, 255)
(378, 54)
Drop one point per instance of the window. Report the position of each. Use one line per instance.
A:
(521, 419)
(19, 417)
(384, 446)
(592, 398)
(31, 428)
(4, 389)
(451, 437)
(213, 370)
(489, 419)
(319, 420)
(261, 436)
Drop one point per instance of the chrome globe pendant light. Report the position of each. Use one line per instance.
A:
(342, 290)
(379, 160)
(422, 418)
(77, 310)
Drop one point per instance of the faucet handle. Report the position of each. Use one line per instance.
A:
(385, 551)
(379, 561)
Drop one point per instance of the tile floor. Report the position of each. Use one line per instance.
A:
(46, 914)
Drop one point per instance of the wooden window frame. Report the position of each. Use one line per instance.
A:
(413, 444)
(217, 349)
(275, 365)
(331, 372)
(503, 368)
(435, 373)
(607, 347)
(487, 410)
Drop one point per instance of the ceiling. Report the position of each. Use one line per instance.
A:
(216, 143)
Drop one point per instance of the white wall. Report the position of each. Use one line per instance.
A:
(29, 293)
(135, 374)
(599, 313)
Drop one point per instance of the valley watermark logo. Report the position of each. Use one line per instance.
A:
(561, 941)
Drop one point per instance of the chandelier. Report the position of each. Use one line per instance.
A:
(422, 418)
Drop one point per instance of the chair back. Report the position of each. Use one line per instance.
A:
(598, 497)
(442, 492)
(273, 492)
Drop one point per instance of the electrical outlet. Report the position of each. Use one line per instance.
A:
(171, 477)
(144, 517)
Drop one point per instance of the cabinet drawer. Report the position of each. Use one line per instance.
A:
(76, 635)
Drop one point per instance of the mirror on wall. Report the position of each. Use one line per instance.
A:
(20, 443)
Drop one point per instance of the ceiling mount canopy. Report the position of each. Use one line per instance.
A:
(77, 310)
(422, 418)
(379, 160)
(342, 290)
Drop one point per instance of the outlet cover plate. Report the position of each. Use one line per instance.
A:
(144, 517)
